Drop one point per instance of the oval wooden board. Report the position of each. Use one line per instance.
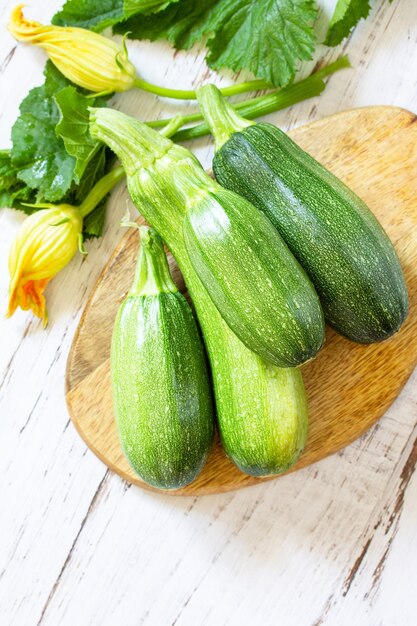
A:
(374, 150)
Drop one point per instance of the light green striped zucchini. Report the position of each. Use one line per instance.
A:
(261, 409)
(161, 387)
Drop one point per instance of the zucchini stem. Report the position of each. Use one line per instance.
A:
(121, 132)
(277, 100)
(190, 94)
(152, 271)
(173, 125)
(100, 190)
(221, 117)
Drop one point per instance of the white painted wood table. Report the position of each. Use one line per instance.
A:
(333, 544)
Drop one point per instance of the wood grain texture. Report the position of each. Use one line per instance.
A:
(332, 544)
(374, 150)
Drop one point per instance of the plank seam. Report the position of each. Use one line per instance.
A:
(74, 543)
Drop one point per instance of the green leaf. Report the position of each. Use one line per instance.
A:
(268, 37)
(132, 7)
(100, 14)
(182, 24)
(14, 193)
(46, 137)
(94, 222)
(16, 199)
(37, 153)
(8, 174)
(97, 167)
(6, 200)
(73, 127)
(93, 14)
(12, 190)
(345, 17)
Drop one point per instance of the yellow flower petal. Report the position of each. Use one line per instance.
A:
(87, 59)
(45, 244)
(29, 295)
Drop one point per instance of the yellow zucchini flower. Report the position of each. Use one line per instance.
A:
(89, 60)
(44, 245)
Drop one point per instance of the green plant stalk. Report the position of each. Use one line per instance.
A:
(172, 127)
(262, 106)
(152, 274)
(304, 89)
(110, 180)
(311, 86)
(190, 94)
(221, 117)
(100, 190)
(94, 197)
(261, 409)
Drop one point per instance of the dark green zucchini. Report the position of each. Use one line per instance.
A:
(161, 387)
(253, 279)
(335, 237)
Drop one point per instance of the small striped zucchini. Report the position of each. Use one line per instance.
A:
(161, 386)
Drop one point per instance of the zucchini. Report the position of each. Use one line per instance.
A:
(262, 422)
(282, 327)
(160, 382)
(233, 249)
(269, 440)
(329, 229)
